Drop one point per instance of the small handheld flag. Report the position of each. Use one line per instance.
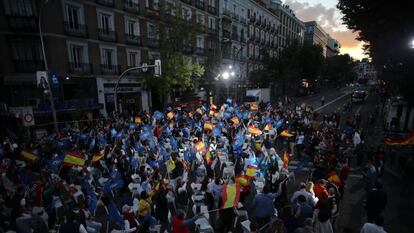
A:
(285, 133)
(199, 146)
(235, 120)
(74, 159)
(98, 156)
(208, 126)
(254, 131)
(28, 155)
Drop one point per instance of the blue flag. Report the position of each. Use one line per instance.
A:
(92, 200)
(158, 115)
(114, 215)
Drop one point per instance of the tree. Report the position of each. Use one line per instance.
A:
(387, 28)
(339, 69)
(178, 69)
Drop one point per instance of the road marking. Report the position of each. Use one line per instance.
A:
(331, 102)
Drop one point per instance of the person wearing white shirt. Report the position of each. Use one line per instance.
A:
(375, 227)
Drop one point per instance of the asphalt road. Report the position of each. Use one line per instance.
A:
(352, 213)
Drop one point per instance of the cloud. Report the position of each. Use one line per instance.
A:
(331, 22)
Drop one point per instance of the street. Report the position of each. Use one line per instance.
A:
(352, 213)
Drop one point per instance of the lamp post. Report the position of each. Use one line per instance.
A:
(226, 75)
(412, 44)
(52, 104)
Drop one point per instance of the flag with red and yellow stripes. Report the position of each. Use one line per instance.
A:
(267, 127)
(408, 140)
(98, 156)
(74, 159)
(199, 146)
(235, 120)
(137, 120)
(251, 171)
(170, 115)
(254, 107)
(230, 195)
(285, 133)
(254, 131)
(208, 126)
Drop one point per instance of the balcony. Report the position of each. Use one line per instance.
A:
(110, 69)
(23, 23)
(211, 9)
(226, 34)
(80, 68)
(153, 11)
(252, 19)
(200, 5)
(227, 14)
(188, 49)
(131, 6)
(242, 20)
(258, 22)
(153, 42)
(235, 17)
(243, 39)
(235, 37)
(187, 1)
(109, 3)
(28, 66)
(132, 39)
(106, 34)
(212, 31)
(201, 27)
(74, 29)
(199, 51)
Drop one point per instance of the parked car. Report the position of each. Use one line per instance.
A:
(359, 96)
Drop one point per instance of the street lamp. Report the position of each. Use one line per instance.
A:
(52, 104)
(412, 43)
(225, 75)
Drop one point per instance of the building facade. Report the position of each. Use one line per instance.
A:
(88, 44)
(314, 34)
(366, 71)
(333, 47)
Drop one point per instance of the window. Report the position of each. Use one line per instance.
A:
(26, 50)
(152, 31)
(132, 3)
(251, 30)
(108, 57)
(132, 26)
(133, 58)
(186, 13)
(211, 22)
(200, 18)
(106, 21)
(200, 42)
(76, 54)
(211, 3)
(73, 17)
(156, 4)
(20, 7)
(251, 50)
(170, 8)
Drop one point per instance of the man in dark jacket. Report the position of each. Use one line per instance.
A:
(376, 202)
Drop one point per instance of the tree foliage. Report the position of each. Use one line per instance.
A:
(339, 69)
(178, 68)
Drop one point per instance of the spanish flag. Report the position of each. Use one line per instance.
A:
(98, 156)
(241, 180)
(254, 107)
(408, 140)
(28, 155)
(285, 133)
(267, 127)
(170, 115)
(74, 159)
(199, 111)
(334, 179)
(208, 126)
(230, 195)
(251, 171)
(137, 120)
(254, 131)
(235, 120)
(209, 157)
(286, 160)
(199, 146)
(212, 106)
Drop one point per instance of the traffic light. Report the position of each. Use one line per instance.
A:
(157, 68)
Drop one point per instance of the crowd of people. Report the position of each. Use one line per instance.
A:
(208, 169)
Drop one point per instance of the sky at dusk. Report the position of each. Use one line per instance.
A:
(325, 13)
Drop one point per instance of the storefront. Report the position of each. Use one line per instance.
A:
(132, 97)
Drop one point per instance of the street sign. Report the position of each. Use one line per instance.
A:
(24, 113)
(157, 68)
(53, 78)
